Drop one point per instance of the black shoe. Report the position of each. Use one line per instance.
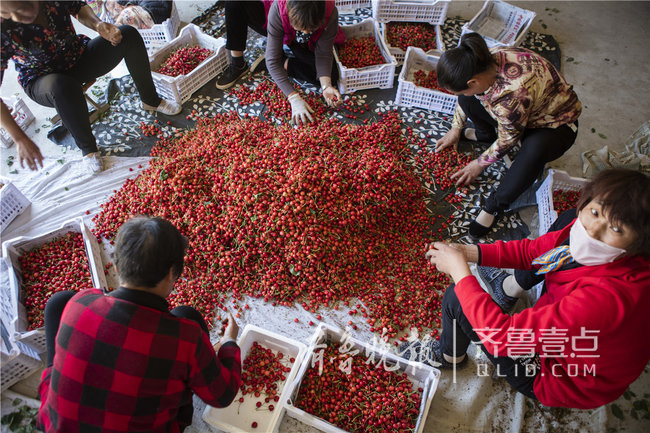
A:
(494, 278)
(477, 230)
(430, 354)
(231, 75)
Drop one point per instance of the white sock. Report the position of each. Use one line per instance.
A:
(511, 287)
(485, 219)
(454, 359)
(470, 134)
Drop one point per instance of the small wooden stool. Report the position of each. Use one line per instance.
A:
(99, 108)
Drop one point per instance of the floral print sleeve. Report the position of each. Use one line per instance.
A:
(37, 51)
(528, 93)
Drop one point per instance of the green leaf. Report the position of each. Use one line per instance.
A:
(627, 395)
(556, 10)
(604, 137)
(293, 271)
(13, 172)
(617, 412)
(570, 59)
(67, 189)
(593, 130)
(60, 161)
(544, 26)
(37, 130)
(641, 405)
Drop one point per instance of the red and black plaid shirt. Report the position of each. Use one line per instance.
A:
(124, 363)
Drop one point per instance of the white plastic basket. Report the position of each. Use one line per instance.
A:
(351, 6)
(12, 203)
(238, 417)
(14, 248)
(500, 23)
(421, 375)
(400, 54)
(179, 89)
(17, 361)
(371, 77)
(410, 95)
(21, 114)
(158, 35)
(423, 11)
(555, 180)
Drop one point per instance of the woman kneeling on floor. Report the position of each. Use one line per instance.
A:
(584, 341)
(511, 95)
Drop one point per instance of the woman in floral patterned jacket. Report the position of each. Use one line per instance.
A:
(512, 96)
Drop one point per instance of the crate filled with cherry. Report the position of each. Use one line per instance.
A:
(269, 362)
(401, 35)
(364, 60)
(346, 385)
(65, 259)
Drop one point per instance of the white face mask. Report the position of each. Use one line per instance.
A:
(589, 251)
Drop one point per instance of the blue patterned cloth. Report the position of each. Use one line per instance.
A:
(553, 259)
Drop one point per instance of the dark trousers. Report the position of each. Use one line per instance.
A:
(54, 311)
(64, 92)
(515, 372)
(240, 15)
(538, 146)
(528, 279)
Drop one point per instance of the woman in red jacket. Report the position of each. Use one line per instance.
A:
(582, 343)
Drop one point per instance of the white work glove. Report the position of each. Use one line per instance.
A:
(300, 110)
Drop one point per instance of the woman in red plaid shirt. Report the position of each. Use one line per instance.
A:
(124, 362)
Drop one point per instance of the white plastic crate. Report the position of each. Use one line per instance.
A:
(351, 6)
(371, 77)
(12, 203)
(179, 89)
(500, 23)
(14, 248)
(158, 35)
(21, 114)
(410, 95)
(424, 11)
(555, 180)
(17, 361)
(421, 375)
(238, 417)
(400, 54)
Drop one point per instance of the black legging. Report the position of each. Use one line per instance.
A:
(64, 92)
(240, 15)
(455, 324)
(538, 146)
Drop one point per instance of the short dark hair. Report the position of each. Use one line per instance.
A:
(624, 196)
(458, 65)
(308, 15)
(146, 248)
